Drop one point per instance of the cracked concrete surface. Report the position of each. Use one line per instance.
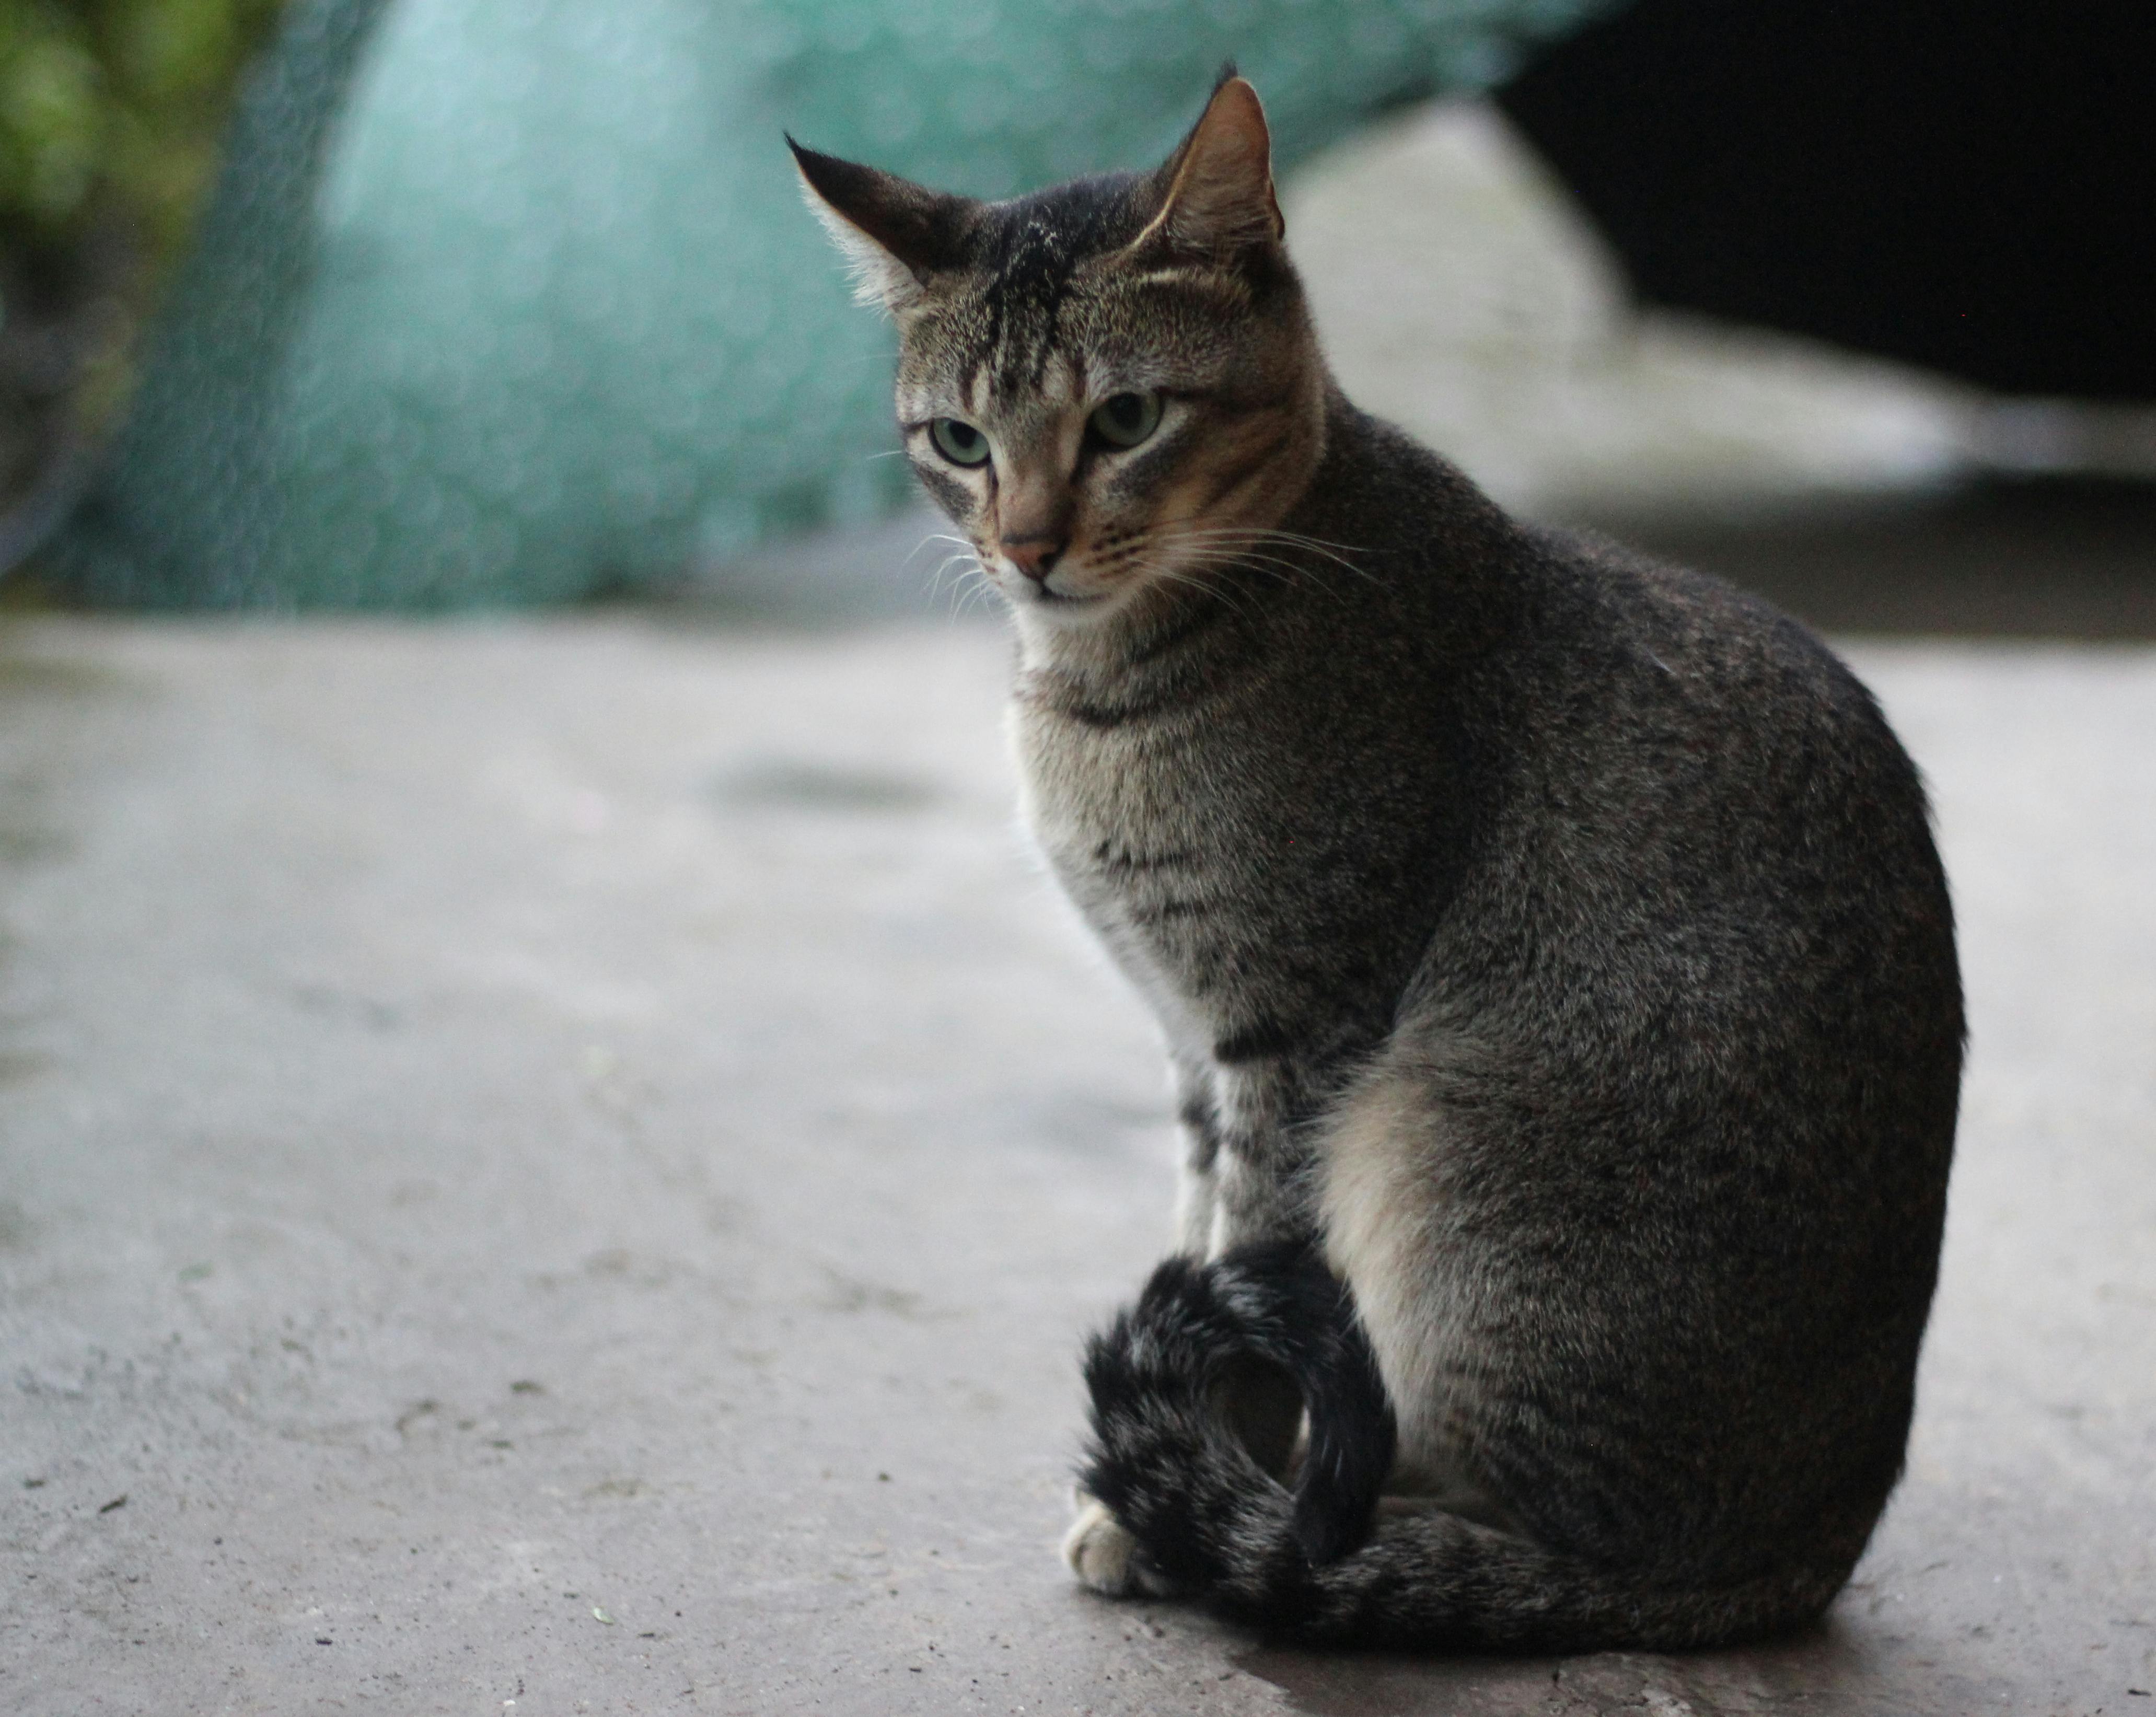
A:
(565, 1162)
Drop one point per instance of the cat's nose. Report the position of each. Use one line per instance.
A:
(1034, 556)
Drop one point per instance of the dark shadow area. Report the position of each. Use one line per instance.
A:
(2041, 558)
(1820, 1663)
(1929, 183)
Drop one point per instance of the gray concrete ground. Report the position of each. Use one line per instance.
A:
(560, 1165)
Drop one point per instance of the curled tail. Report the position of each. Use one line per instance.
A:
(1319, 1562)
(1157, 1375)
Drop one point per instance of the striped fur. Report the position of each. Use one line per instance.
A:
(1555, 966)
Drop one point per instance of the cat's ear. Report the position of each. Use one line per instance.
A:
(1216, 191)
(893, 233)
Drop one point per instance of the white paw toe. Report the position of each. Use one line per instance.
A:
(1104, 1557)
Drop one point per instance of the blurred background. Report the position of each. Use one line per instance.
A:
(442, 304)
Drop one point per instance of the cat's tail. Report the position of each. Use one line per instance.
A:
(1160, 1375)
(1319, 1563)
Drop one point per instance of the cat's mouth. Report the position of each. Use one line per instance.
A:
(1073, 588)
(1039, 593)
(1060, 598)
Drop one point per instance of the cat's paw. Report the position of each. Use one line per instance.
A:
(1105, 1558)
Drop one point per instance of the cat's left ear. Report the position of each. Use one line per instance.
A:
(1216, 191)
(894, 233)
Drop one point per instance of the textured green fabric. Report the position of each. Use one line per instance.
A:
(565, 325)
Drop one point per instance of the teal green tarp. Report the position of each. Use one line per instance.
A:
(551, 318)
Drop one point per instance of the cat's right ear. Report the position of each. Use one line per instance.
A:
(894, 233)
(1216, 191)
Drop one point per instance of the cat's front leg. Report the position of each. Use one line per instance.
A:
(1254, 1205)
(1261, 1174)
(1197, 1193)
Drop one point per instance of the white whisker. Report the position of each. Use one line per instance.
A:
(956, 542)
(1251, 537)
(936, 578)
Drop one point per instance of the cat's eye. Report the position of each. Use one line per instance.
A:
(1125, 419)
(958, 441)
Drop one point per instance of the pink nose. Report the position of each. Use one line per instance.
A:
(1034, 556)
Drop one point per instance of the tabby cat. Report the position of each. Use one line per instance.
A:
(1556, 969)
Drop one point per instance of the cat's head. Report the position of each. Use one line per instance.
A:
(1111, 385)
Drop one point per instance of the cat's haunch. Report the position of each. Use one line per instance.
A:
(1554, 963)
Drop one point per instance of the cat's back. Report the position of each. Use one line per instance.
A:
(1675, 740)
(1699, 900)
(1656, 728)
(1690, 812)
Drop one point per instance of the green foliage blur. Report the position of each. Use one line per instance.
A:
(111, 113)
(114, 105)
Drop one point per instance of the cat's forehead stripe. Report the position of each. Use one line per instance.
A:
(1034, 250)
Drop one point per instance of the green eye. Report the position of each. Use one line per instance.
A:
(958, 441)
(1125, 419)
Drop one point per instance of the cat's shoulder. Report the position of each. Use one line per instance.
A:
(1627, 659)
(1572, 615)
(1588, 588)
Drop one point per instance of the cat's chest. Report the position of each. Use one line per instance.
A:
(1123, 818)
(1163, 838)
